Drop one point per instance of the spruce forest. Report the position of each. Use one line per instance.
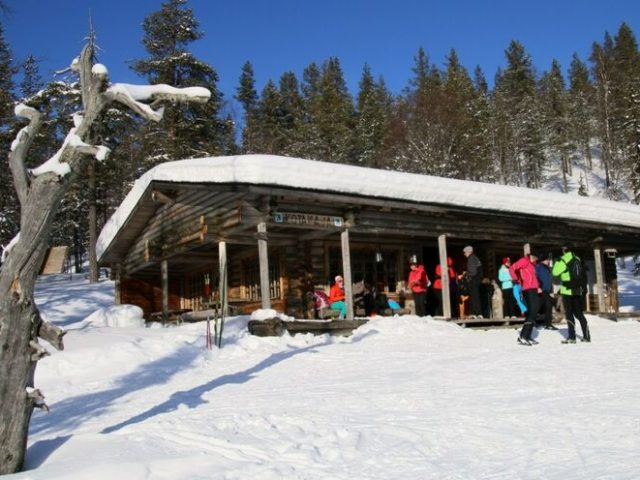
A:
(559, 122)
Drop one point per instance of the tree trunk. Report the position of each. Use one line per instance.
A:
(16, 406)
(93, 226)
(20, 322)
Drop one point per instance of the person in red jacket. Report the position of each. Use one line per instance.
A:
(336, 297)
(437, 285)
(418, 283)
(524, 273)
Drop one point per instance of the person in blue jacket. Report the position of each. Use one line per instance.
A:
(506, 285)
(543, 272)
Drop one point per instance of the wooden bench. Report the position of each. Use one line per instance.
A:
(273, 327)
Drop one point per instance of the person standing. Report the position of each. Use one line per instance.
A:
(543, 272)
(506, 285)
(474, 273)
(524, 272)
(336, 297)
(572, 291)
(418, 283)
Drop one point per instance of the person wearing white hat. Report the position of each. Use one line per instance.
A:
(336, 296)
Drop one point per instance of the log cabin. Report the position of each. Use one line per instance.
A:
(268, 229)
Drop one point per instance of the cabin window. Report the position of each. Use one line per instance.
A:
(251, 279)
(365, 266)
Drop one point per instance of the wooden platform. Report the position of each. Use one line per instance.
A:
(619, 316)
(488, 322)
(274, 327)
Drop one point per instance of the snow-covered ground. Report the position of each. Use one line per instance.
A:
(403, 398)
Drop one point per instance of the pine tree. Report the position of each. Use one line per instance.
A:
(270, 138)
(458, 124)
(293, 115)
(422, 149)
(581, 111)
(373, 110)
(518, 118)
(554, 105)
(186, 130)
(9, 212)
(602, 69)
(482, 134)
(247, 95)
(330, 113)
(31, 82)
(57, 102)
(626, 91)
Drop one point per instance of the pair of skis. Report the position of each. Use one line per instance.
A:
(219, 312)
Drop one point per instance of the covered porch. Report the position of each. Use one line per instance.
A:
(266, 242)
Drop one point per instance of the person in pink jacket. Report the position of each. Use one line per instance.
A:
(523, 272)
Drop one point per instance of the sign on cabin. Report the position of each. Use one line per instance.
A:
(309, 219)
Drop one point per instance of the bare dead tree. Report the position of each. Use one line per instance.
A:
(40, 192)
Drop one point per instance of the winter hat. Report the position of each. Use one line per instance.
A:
(468, 249)
(338, 278)
(505, 260)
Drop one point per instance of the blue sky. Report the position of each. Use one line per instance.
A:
(282, 35)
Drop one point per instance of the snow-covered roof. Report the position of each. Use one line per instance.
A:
(303, 174)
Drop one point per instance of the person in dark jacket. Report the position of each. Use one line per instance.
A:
(543, 272)
(571, 297)
(474, 273)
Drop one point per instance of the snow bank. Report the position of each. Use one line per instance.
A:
(266, 313)
(118, 316)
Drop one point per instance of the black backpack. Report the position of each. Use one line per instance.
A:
(577, 277)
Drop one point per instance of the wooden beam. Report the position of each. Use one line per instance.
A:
(118, 284)
(164, 272)
(223, 288)
(346, 268)
(263, 259)
(159, 197)
(444, 276)
(597, 254)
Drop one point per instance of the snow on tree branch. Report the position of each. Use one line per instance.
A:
(6, 250)
(133, 96)
(61, 168)
(20, 147)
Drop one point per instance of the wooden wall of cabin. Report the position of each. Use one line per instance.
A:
(147, 294)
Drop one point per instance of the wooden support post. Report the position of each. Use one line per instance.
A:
(164, 272)
(223, 287)
(599, 279)
(263, 258)
(444, 276)
(118, 284)
(346, 267)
